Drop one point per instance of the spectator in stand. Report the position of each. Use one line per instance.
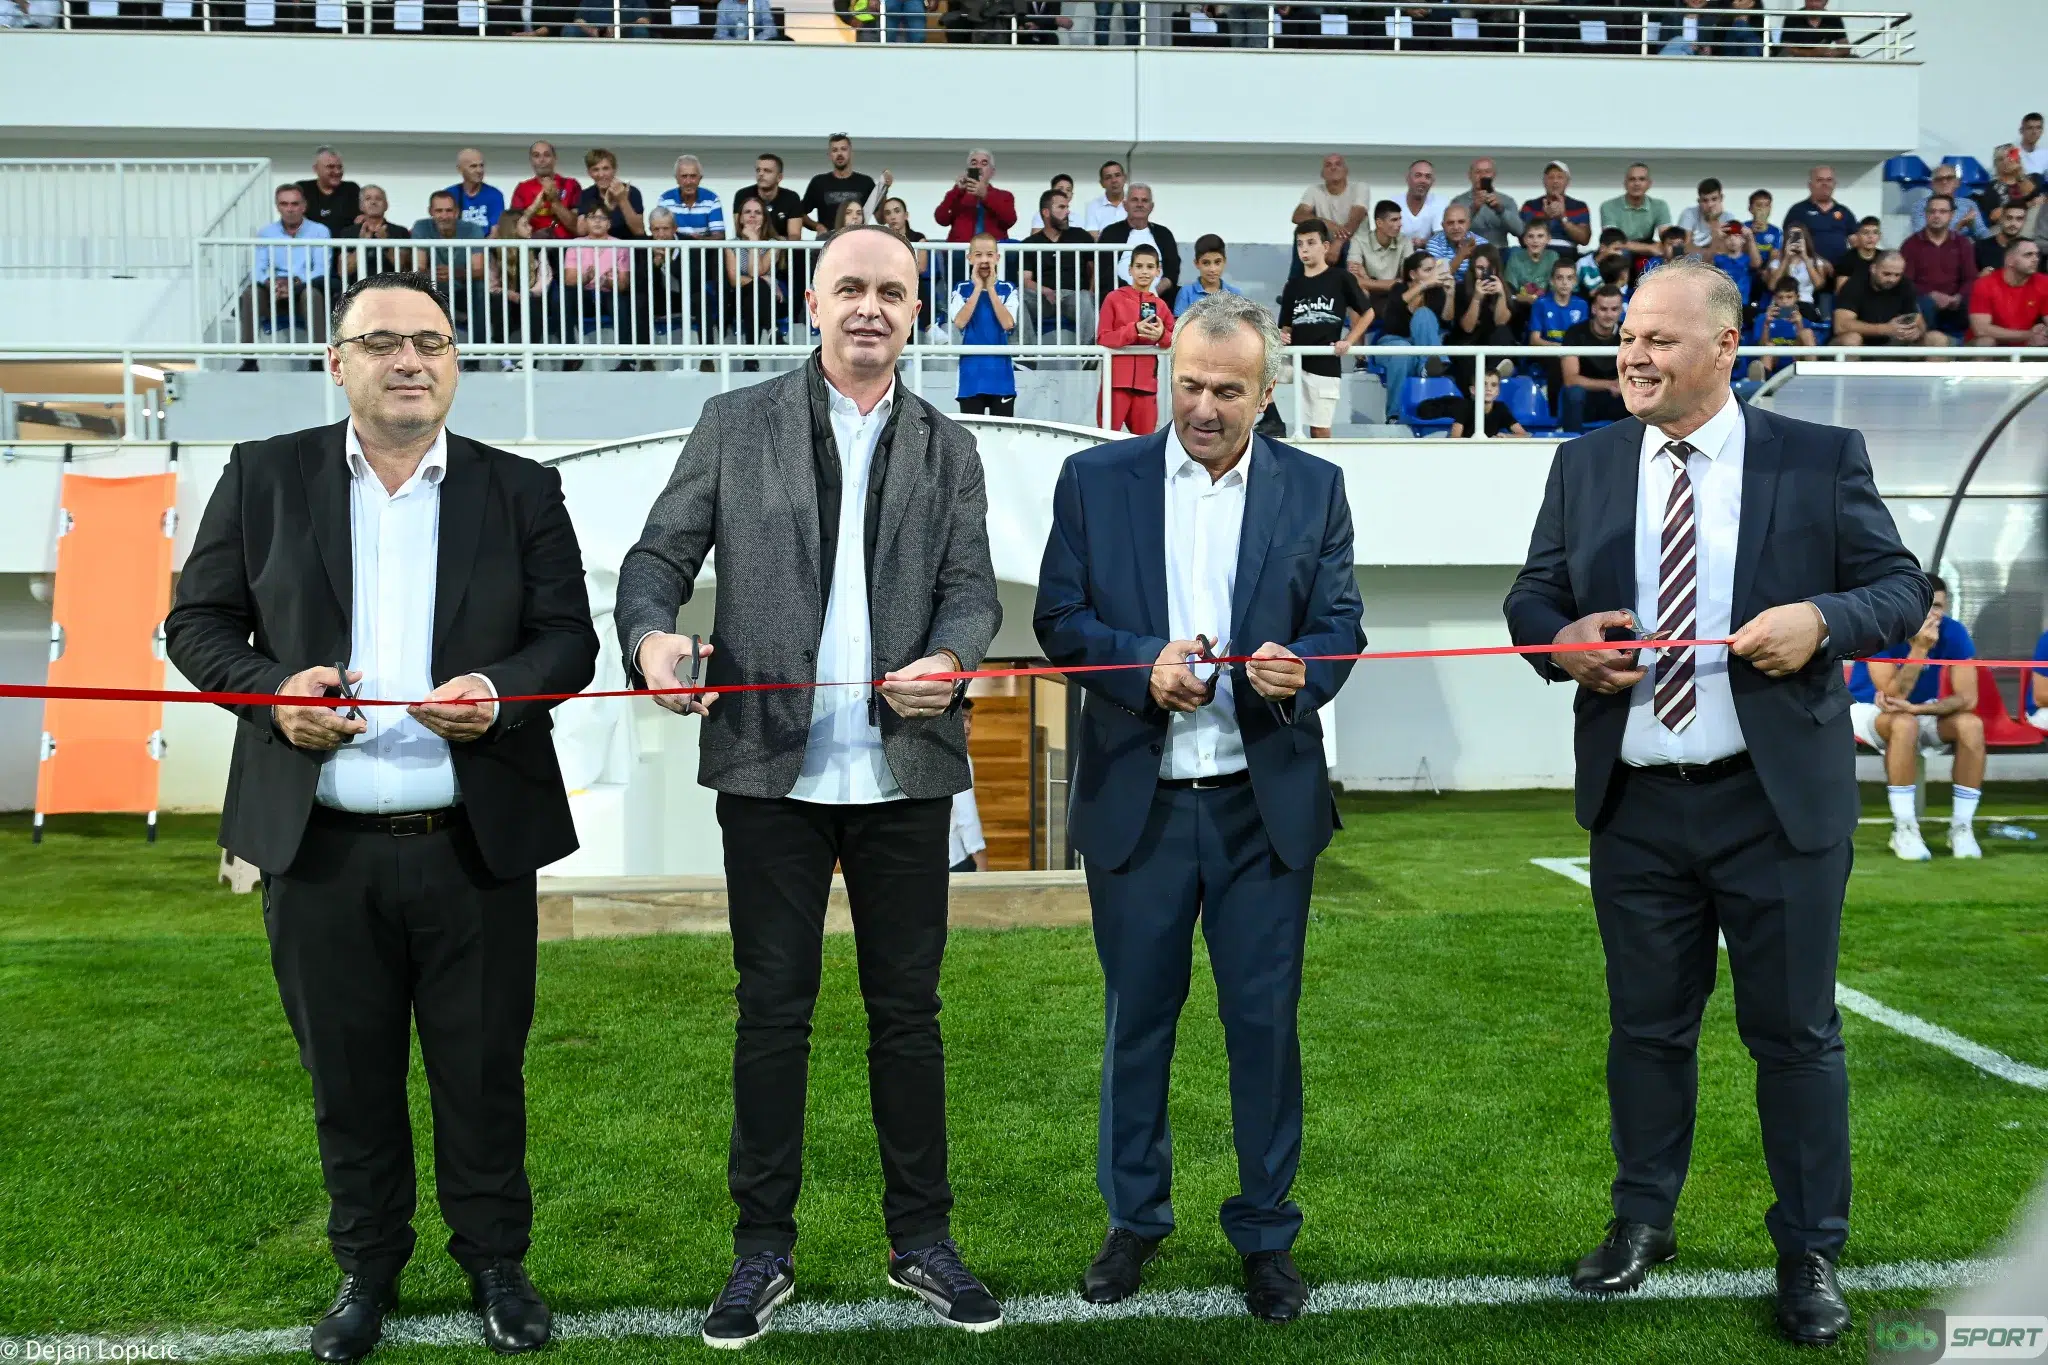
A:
(1800, 263)
(829, 189)
(1481, 314)
(1671, 244)
(1058, 284)
(2010, 183)
(602, 269)
(746, 21)
(1064, 183)
(2009, 305)
(458, 270)
(1528, 269)
(1376, 255)
(984, 315)
(1321, 306)
(1707, 211)
(1855, 263)
(895, 216)
(1551, 317)
(1941, 265)
(475, 202)
(593, 20)
(288, 286)
(2009, 225)
(1494, 216)
(1039, 22)
(753, 276)
(1967, 220)
(1418, 312)
(1879, 308)
(525, 288)
(331, 202)
(1105, 24)
(548, 200)
(851, 214)
(693, 205)
(1812, 32)
(1107, 207)
(1828, 223)
(2033, 156)
(1786, 322)
(1499, 421)
(1592, 383)
(616, 199)
(1610, 262)
(1770, 240)
(697, 216)
(1568, 219)
(785, 208)
(1138, 226)
(1639, 215)
(903, 21)
(974, 205)
(1210, 263)
(1740, 34)
(1897, 708)
(355, 263)
(1737, 256)
(1338, 201)
(1132, 315)
(1455, 241)
(1691, 34)
(1422, 209)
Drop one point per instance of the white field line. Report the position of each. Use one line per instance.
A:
(1983, 818)
(1185, 1305)
(1876, 1011)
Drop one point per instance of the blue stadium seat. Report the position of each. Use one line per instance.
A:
(1909, 171)
(1971, 170)
(1528, 405)
(1419, 390)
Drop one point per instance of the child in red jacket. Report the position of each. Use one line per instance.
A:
(1135, 316)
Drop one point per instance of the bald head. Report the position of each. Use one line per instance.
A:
(863, 298)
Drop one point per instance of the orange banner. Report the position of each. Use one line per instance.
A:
(114, 542)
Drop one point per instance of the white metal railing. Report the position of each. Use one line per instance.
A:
(639, 292)
(82, 219)
(1365, 25)
(929, 369)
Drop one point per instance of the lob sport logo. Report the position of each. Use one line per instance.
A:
(1926, 1335)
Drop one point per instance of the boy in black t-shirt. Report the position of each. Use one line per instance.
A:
(1313, 308)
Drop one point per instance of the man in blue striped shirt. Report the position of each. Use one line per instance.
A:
(698, 214)
(1455, 241)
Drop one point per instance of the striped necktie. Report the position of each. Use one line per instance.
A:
(1677, 596)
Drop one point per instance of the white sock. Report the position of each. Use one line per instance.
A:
(1901, 799)
(1966, 804)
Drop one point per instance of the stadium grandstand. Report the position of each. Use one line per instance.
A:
(1449, 212)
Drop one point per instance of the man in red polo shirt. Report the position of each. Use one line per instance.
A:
(976, 205)
(548, 199)
(2009, 307)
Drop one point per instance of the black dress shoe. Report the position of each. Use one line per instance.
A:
(1623, 1257)
(355, 1320)
(1273, 1288)
(1116, 1270)
(1811, 1311)
(515, 1318)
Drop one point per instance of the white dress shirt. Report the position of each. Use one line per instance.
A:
(1204, 521)
(1100, 213)
(1716, 470)
(1421, 226)
(397, 764)
(843, 761)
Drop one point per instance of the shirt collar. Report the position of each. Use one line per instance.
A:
(1179, 463)
(842, 406)
(433, 468)
(1711, 440)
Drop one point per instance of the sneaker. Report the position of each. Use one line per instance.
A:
(937, 1275)
(1962, 841)
(1907, 843)
(755, 1289)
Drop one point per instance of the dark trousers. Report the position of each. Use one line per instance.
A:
(989, 405)
(1203, 854)
(1674, 864)
(779, 856)
(368, 935)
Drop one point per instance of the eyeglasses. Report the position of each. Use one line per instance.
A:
(388, 343)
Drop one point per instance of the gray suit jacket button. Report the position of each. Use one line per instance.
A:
(809, 656)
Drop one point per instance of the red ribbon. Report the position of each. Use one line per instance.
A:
(47, 693)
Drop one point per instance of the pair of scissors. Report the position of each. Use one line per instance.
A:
(347, 691)
(1206, 651)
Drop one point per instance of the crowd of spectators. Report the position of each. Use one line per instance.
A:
(1419, 271)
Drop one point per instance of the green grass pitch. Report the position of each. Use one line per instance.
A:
(158, 1165)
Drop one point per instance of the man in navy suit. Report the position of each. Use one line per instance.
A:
(1200, 791)
(1719, 783)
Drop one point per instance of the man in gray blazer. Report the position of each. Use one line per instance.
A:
(850, 520)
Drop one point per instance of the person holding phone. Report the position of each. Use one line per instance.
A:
(1801, 265)
(1483, 315)
(974, 205)
(1132, 315)
(1784, 323)
(1418, 311)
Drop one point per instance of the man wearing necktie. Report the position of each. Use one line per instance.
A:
(1718, 782)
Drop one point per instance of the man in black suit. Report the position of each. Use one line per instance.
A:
(398, 845)
(1719, 783)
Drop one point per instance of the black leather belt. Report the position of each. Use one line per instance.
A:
(397, 826)
(1699, 773)
(1204, 784)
